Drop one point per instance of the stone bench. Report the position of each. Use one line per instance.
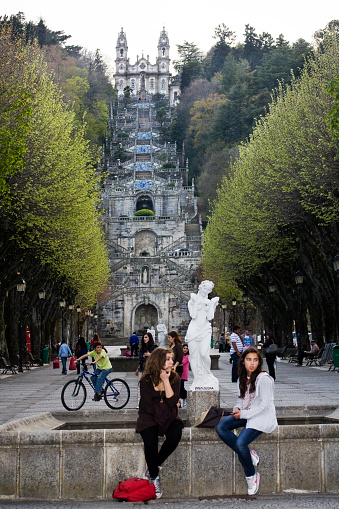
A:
(122, 363)
(39, 465)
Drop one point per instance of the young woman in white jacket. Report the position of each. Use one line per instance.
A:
(254, 412)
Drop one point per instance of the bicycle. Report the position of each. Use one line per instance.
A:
(73, 395)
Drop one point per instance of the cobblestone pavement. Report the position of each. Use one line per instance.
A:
(39, 389)
(296, 501)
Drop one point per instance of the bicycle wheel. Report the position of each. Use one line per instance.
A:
(116, 394)
(73, 395)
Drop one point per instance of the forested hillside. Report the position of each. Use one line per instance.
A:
(224, 92)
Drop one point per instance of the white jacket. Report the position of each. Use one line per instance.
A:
(261, 416)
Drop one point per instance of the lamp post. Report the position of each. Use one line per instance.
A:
(96, 322)
(88, 315)
(245, 300)
(336, 268)
(71, 307)
(78, 311)
(21, 288)
(234, 305)
(223, 306)
(299, 278)
(42, 296)
(62, 304)
(272, 289)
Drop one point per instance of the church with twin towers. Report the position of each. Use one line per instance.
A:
(152, 226)
(154, 78)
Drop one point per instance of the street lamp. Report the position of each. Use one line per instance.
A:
(223, 306)
(234, 305)
(96, 322)
(299, 278)
(62, 304)
(78, 311)
(71, 307)
(21, 288)
(42, 297)
(272, 289)
(336, 268)
(88, 314)
(245, 300)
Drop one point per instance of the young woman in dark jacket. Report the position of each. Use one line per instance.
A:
(270, 357)
(146, 348)
(158, 412)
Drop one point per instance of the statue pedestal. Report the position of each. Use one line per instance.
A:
(200, 401)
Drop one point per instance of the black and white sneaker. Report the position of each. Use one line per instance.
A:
(157, 486)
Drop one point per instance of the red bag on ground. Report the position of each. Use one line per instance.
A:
(134, 490)
(72, 363)
(56, 364)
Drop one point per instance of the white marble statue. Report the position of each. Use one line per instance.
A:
(162, 333)
(198, 337)
(152, 331)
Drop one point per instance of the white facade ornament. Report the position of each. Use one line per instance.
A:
(198, 337)
(162, 332)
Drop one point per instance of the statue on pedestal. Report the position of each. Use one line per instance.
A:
(198, 337)
(162, 332)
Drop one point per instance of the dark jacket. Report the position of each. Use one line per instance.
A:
(155, 409)
(142, 358)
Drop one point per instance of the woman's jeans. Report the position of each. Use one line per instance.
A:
(150, 437)
(240, 443)
(98, 381)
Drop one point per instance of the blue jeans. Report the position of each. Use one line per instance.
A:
(98, 381)
(240, 443)
(235, 362)
(64, 367)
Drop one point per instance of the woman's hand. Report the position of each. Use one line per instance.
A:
(164, 375)
(137, 372)
(236, 413)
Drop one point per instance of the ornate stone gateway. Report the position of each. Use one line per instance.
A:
(146, 317)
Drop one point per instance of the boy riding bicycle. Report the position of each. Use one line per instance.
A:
(103, 368)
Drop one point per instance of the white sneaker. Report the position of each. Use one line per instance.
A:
(157, 486)
(255, 458)
(253, 483)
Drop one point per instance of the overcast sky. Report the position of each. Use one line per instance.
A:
(97, 24)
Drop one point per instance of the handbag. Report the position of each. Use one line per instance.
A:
(72, 363)
(273, 348)
(211, 418)
(56, 363)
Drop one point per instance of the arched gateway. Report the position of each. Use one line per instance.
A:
(146, 315)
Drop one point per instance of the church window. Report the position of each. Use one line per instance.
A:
(163, 52)
(163, 84)
(121, 85)
(152, 84)
(132, 84)
(121, 52)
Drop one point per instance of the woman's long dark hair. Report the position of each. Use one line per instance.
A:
(155, 363)
(146, 346)
(243, 373)
(175, 336)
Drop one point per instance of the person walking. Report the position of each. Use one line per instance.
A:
(158, 412)
(134, 344)
(80, 349)
(64, 352)
(222, 343)
(236, 342)
(184, 376)
(270, 356)
(254, 412)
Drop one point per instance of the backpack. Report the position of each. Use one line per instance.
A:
(134, 490)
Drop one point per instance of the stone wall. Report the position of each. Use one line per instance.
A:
(61, 465)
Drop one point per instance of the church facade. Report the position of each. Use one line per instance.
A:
(152, 226)
(143, 75)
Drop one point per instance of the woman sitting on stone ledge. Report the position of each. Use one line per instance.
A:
(158, 412)
(254, 412)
